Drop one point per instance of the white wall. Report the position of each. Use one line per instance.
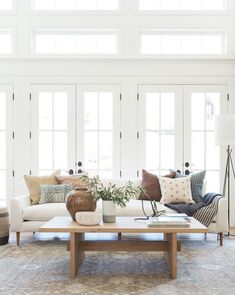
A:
(127, 69)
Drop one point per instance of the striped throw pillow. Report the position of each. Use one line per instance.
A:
(197, 180)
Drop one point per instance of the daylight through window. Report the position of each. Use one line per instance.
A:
(199, 5)
(75, 42)
(183, 43)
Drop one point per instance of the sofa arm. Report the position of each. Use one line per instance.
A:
(16, 215)
(222, 215)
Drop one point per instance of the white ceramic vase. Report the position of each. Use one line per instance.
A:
(109, 211)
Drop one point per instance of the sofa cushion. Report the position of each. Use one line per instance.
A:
(134, 208)
(151, 186)
(33, 184)
(45, 212)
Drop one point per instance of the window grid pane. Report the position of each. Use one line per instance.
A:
(178, 5)
(52, 122)
(183, 43)
(80, 5)
(160, 131)
(6, 43)
(204, 154)
(82, 42)
(2, 146)
(6, 5)
(98, 133)
(2, 185)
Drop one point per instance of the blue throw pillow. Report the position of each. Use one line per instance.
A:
(197, 179)
(54, 193)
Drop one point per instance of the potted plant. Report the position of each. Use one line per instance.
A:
(111, 195)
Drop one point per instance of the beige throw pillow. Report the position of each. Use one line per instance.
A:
(74, 180)
(33, 184)
(177, 190)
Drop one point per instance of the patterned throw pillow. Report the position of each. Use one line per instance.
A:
(177, 190)
(197, 180)
(54, 193)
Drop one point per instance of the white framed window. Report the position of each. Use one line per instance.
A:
(6, 142)
(98, 120)
(6, 42)
(182, 5)
(6, 5)
(78, 5)
(183, 42)
(75, 42)
(53, 128)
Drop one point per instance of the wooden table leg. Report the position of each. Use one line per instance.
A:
(74, 254)
(172, 253)
(81, 254)
(68, 245)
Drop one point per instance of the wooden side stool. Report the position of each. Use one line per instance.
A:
(4, 226)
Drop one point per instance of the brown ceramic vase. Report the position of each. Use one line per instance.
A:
(79, 200)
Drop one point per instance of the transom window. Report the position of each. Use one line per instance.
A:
(6, 5)
(175, 42)
(75, 4)
(5, 42)
(182, 5)
(75, 42)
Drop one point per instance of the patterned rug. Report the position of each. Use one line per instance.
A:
(41, 267)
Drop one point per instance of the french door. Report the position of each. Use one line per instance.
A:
(76, 123)
(53, 128)
(98, 129)
(202, 103)
(160, 127)
(176, 124)
(6, 142)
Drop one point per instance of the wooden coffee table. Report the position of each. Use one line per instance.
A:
(78, 245)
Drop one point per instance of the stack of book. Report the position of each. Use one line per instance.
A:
(169, 221)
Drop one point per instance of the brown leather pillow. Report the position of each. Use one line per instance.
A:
(74, 180)
(151, 186)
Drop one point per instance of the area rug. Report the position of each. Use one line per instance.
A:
(41, 267)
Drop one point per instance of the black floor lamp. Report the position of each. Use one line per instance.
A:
(225, 136)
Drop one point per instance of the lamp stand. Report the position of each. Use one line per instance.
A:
(229, 163)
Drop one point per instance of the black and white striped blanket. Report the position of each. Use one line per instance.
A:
(204, 211)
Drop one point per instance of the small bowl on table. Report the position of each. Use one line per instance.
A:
(88, 218)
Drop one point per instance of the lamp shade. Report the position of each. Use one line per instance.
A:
(225, 130)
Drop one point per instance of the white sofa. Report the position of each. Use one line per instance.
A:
(25, 217)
